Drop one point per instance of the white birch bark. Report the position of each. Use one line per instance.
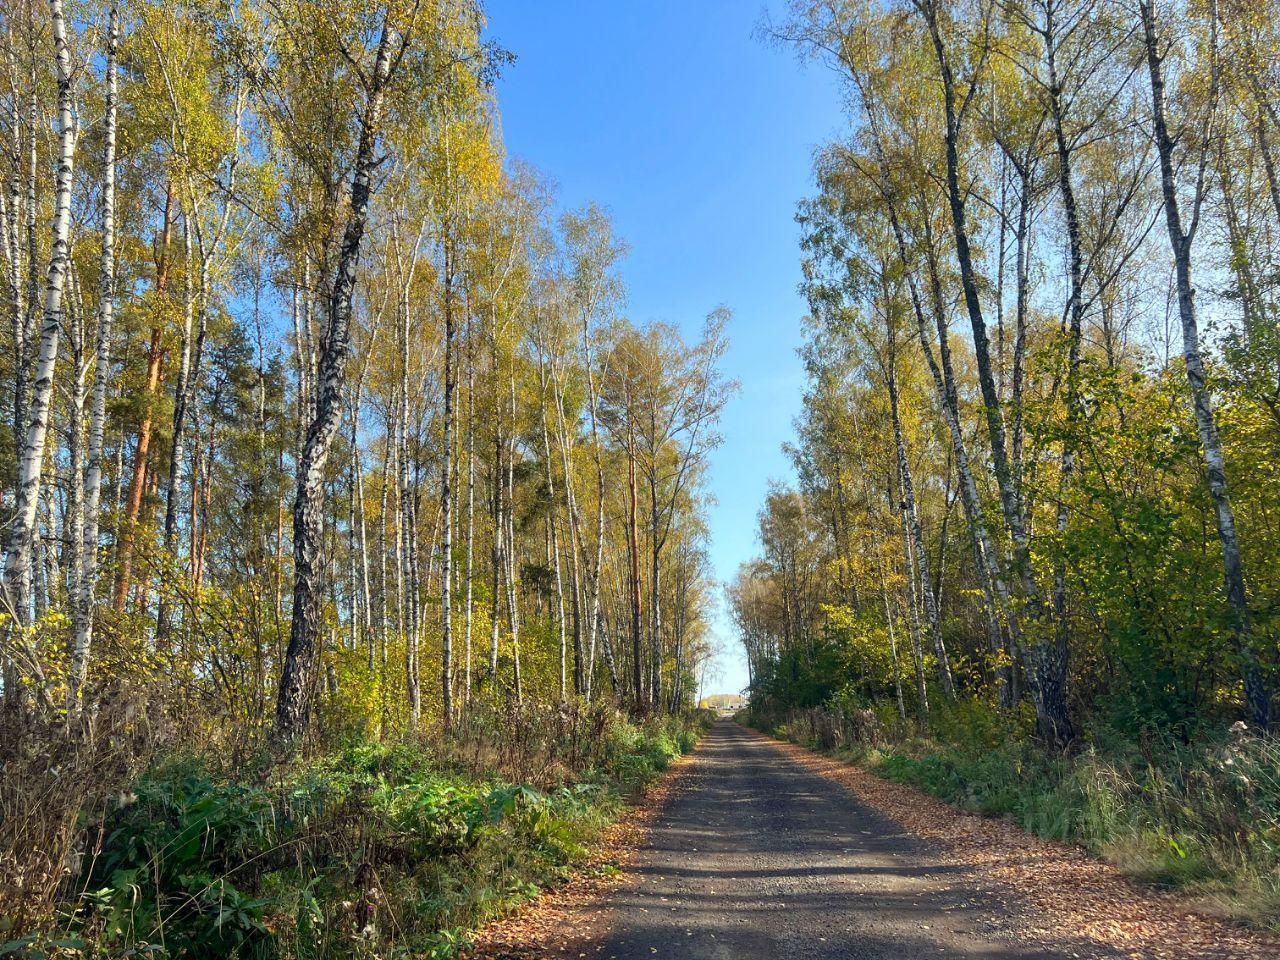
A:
(293, 704)
(18, 550)
(1181, 238)
(911, 521)
(447, 494)
(471, 511)
(84, 602)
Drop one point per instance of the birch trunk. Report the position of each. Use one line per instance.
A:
(913, 617)
(84, 602)
(655, 592)
(956, 201)
(13, 251)
(911, 519)
(1181, 238)
(73, 512)
(1049, 656)
(1268, 164)
(633, 560)
(893, 647)
(496, 549)
(554, 535)
(995, 591)
(593, 605)
(406, 554)
(181, 398)
(297, 679)
(18, 550)
(575, 533)
(471, 509)
(446, 497)
(362, 530)
(513, 599)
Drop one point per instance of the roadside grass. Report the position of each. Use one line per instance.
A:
(373, 850)
(1201, 817)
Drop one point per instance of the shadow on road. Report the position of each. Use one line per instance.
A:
(758, 858)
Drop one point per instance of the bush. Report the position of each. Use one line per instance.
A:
(371, 850)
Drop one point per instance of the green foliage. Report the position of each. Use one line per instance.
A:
(849, 655)
(167, 867)
(336, 855)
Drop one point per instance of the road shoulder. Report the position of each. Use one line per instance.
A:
(1056, 891)
(568, 920)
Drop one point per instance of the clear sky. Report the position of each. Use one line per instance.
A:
(698, 137)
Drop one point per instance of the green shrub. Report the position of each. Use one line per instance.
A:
(168, 867)
(372, 850)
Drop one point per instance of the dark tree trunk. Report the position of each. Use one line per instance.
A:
(297, 678)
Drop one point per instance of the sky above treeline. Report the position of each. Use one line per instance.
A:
(698, 136)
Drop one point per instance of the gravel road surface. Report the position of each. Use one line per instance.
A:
(756, 857)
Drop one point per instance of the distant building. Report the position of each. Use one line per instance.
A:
(724, 702)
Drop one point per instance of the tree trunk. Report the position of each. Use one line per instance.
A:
(1257, 696)
(14, 258)
(22, 534)
(181, 398)
(446, 498)
(995, 590)
(513, 597)
(594, 575)
(496, 549)
(911, 518)
(633, 557)
(1268, 164)
(554, 535)
(406, 554)
(128, 530)
(575, 533)
(471, 508)
(655, 591)
(84, 602)
(194, 301)
(956, 197)
(913, 617)
(297, 679)
(1049, 657)
(893, 647)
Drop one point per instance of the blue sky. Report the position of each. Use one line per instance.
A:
(698, 137)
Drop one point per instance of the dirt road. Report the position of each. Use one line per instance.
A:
(756, 857)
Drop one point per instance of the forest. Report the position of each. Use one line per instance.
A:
(1029, 561)
(355, 542)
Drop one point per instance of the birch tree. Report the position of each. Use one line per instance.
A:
(18, 548)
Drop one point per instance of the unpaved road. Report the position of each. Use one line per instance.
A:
(757, 858)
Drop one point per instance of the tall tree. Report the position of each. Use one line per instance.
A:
(293, 704)
(1182, 234)
(18, 549)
